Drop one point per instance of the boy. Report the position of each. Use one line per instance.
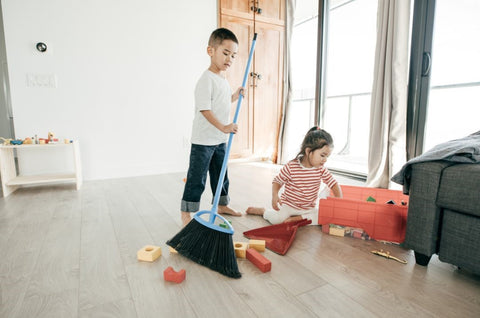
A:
(213, 98)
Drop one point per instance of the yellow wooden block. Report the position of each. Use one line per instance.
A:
(240, 249)
(172, 250)
(149, 253)
(258, 245)
(337, 231)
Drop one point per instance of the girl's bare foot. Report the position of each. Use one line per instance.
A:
(186, 218)
(223, 209)
(255, 211)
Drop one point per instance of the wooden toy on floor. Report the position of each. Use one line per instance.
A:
(259, 260)
(149, 253)
(172, 250)
(240, 249)
(387, 255)
(337, 230)
(258, 245)
(170, 275)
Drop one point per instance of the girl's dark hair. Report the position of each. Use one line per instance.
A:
(221, 34)
(315, 138)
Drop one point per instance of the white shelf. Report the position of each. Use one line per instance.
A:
(38, 179)
(8, 168)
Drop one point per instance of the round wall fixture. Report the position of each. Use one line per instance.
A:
(41, 47)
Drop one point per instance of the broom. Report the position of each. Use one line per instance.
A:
(203, 241)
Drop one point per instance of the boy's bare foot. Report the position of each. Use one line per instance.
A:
(186, 218)
(224, 209)
(255, 211)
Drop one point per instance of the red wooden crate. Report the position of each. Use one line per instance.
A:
(380, 220)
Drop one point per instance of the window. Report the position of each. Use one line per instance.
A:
(455, 77)
(350, 52)
(444, 85)
(303, 52)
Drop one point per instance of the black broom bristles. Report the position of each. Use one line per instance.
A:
(208, 247)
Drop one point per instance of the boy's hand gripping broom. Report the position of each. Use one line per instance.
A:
(202, 240)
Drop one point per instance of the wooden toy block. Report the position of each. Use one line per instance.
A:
(149, 253)
(170, 275)
(240, 249)
(337, 231)
(258, 245)
(172, 250)
(259, 260)
(326, 228)
(356, 233)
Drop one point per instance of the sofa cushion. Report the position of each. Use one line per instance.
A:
(460, 188)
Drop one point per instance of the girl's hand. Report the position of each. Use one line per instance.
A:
(276, 203)
(293, 218)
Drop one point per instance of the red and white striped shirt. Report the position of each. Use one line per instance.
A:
(302, 184)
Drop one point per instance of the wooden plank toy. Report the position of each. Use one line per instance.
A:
(172, 250)
(259, 260)
(149, 253)
(258, 245)
(240, 249)
(170, 275)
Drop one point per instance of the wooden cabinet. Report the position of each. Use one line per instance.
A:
(259, 118)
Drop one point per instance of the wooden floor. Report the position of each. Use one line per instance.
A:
(68, 253)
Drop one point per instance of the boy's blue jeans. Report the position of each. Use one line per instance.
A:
(204, 159)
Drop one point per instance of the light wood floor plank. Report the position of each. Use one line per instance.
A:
(327, 301)
(62, 304)
(117, 309)
(102, 273)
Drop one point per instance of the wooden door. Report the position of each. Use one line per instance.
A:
(243, 142)
(239, 8)
(259, 119)
(270, 11)
(268, 94)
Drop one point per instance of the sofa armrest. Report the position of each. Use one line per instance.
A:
(424, 217)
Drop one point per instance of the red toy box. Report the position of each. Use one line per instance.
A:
(381, 221)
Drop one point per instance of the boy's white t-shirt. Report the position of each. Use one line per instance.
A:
(212, 93)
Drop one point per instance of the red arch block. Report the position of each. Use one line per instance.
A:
(170, 275)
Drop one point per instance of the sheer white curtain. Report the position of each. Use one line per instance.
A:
(287, 88)
(387, 152)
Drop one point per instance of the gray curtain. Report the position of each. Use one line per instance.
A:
(287, 88)
(387, 152)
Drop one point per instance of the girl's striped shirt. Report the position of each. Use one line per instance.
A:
(302, 184)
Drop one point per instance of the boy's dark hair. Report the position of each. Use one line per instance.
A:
(219, 35)
(315, 138)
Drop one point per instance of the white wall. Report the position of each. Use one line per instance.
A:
(125, 72)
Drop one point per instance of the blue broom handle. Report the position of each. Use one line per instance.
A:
(216, 199)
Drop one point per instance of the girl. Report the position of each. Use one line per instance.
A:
(301, 177)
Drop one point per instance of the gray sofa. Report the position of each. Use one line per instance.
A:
(444, 213)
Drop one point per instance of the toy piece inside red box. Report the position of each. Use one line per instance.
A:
(380, 220)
